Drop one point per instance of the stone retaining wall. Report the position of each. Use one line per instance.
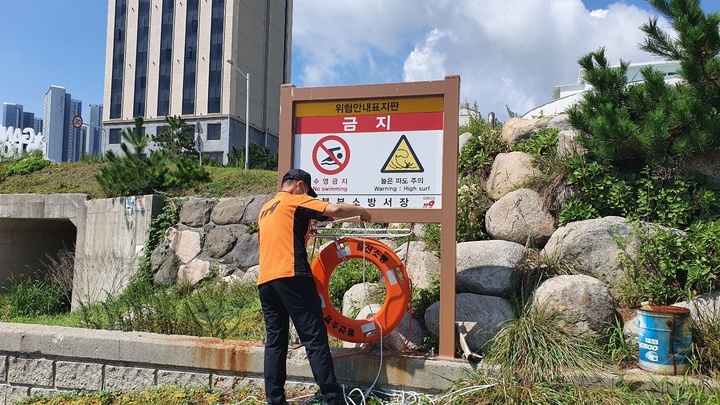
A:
(36, 359)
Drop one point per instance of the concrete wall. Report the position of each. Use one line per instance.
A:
(36, 359)
(106, 236)
(115, 232)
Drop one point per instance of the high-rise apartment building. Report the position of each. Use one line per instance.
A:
(167, 57)
(94, 138)
(28, 119)
(38, 125)
(75, 140)
(12, 115)
(64, 141)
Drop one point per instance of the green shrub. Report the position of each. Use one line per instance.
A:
(431, 237)
(422, 298)
(27, 165)
(672, 266)
(349, 273)
(541, 143)
(472, 205)
(476, 157)
(675, 201)
(533, 348)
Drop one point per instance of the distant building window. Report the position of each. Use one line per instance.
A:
(213, 132)
(216, 56)
(114, 136)
(166, 41)
(216, 156)
(190, 66)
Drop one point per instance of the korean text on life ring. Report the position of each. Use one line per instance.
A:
(397, 286)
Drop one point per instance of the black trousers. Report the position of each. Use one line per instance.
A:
(295, 298)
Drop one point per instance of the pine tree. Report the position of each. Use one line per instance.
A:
(135, 172)
(176, 138)
(652, 123)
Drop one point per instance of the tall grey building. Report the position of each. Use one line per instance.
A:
(64, 141)
(28, 120)
(167, 57)
(75, 140)
(94, 138)
(12, 115)
(38, 125)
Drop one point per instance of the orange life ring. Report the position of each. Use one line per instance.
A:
(397, 286)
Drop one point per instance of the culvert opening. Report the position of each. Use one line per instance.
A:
(37, 250)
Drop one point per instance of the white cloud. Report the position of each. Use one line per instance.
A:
(427, 61)
(507, 53)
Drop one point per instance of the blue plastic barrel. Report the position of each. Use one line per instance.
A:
(664, 339)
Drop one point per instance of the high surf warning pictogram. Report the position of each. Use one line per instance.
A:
(402, 159)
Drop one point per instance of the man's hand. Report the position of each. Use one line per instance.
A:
(365, 216)
(339, 211)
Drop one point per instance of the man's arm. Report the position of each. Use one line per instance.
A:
(339, 211)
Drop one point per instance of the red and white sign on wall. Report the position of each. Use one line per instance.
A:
(379, 153)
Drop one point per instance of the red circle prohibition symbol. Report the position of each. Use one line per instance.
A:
(335, 156)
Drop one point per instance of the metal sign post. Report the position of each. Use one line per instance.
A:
(389, 147)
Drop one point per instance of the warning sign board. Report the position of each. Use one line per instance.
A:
(402, 159)
(409, 127)
(396, 147)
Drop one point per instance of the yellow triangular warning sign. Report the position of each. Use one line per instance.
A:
(402, 159)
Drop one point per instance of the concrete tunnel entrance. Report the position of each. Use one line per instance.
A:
(29, 245)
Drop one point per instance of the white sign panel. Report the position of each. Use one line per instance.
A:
(374, 160)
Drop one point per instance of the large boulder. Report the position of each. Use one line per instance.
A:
(252, 211)
(230, 210)
(423, 268)
(246, 252)
(481, 316)
(520, 217)
(559, 122)
(164, 264)
(580, 303)
(360, 295)
(219, 242)
(509, 172)
(186, 244)
(196, 212)
(706, 165)
(488, 267)
(592, 248)
(193, 272)
(568, 144)
(463, 140)
(517, 129)
(410, 248)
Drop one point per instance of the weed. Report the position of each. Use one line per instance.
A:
(533, 348)
(29, 297)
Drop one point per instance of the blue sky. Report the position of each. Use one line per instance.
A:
(507, 53)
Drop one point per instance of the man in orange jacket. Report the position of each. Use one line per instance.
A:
(287, 287)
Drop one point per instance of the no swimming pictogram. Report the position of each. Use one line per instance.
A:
(331, 155)
(402, 159)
